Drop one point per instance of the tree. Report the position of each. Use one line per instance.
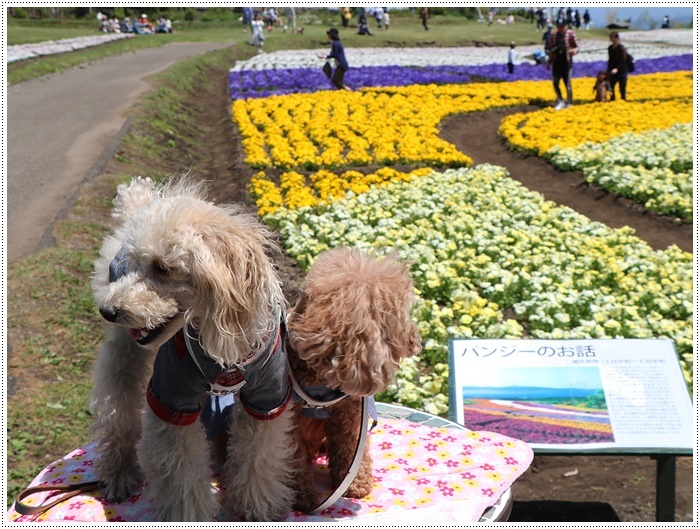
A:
(611, 15)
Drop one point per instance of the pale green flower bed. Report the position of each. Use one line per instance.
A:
(654, 167)
(485, 252)
(659, 189)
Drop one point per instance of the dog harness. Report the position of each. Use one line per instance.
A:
(183, 376)
(317, 399)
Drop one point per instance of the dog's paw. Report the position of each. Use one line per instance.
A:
(186, 497)
(252, 509)
(358, 489)
(119, 480)
(187, 511)
(306, 501)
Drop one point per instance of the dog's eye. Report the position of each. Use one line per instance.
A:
(160, 267)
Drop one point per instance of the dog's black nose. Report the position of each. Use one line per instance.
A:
(109, 313)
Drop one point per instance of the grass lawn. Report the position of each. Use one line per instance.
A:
(26, 35)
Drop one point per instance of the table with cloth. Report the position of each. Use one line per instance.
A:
(426, 469)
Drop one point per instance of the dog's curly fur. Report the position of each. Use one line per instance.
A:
(190, 262)
(350, 328)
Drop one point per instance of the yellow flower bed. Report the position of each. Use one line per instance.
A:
(296, 191)
(395, 125)
(539, 131)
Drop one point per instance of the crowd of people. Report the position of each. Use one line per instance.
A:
(380, 14)
(572, 17)
(139, 25)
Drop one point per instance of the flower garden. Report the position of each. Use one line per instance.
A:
(489, 257)
(22, 52)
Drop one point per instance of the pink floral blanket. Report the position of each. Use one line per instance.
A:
(421, 473)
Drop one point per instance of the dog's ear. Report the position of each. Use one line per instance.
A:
(355, 322)
(359, 352)
(138, 193)
(236, 293)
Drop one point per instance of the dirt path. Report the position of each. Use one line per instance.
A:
(476, 135)
(59, 129)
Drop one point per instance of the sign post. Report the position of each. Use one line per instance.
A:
(578, 396)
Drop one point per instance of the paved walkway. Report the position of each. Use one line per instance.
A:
(58, 128)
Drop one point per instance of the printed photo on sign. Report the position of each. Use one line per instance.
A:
(539, 405)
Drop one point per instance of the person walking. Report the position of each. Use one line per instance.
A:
(545, 39)
(563, 45)
(379, 16)
(541, 19)
(424, 16)
(586, 20)
(511, 58)
(617, 66)
(345, 16)
(258, 36)
(338, 55)
(291, 18)
(247, 17)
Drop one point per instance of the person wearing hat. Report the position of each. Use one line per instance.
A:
(144, 25)
(338, 54)
(563, 45)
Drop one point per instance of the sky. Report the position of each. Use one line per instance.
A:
(546, 377)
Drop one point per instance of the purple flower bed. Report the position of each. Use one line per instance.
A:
(533, 72)
(264, 83)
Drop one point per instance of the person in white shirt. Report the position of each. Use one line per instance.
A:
(379, 16)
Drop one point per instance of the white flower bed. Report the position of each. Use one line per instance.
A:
(22, 52)
(672, 147)
(654, 167)
(591, 51)
(678, 37)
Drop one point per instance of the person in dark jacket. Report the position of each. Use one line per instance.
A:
(363, 28)
(563, 45)
(617, 66)
(338, 54)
